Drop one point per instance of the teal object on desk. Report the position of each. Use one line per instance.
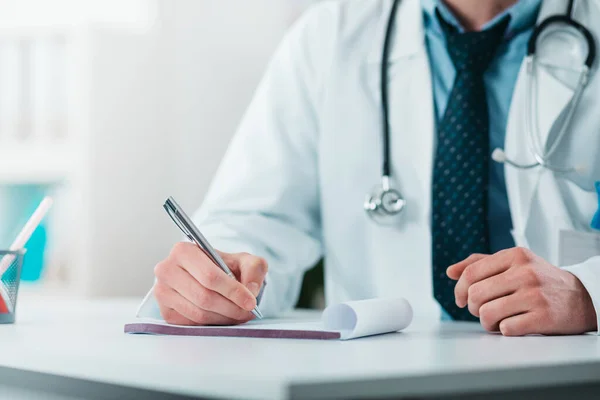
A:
(596, 220)
(33, 262)
(17, 203)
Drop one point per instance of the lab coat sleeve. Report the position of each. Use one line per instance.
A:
(264, 199)
(588, 273)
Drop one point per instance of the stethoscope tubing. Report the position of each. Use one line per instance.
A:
(542, 156)
(374, 201)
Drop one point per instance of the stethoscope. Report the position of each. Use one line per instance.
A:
(541, 155)
(386, 202)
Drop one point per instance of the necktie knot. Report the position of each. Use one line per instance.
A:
(473, 51)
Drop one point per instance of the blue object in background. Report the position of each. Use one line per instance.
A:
(33, 262)
(596, 220)
(17, 203)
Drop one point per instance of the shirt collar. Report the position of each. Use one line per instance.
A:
(523, 16)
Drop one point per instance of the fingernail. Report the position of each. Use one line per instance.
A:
(250, 304)
(254, 288)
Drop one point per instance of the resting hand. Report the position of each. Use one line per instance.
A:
(191, 290)
(518, 293)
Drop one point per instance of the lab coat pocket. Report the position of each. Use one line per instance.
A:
(581, 204)
(581, 243)
(575, 240)
(575, 247)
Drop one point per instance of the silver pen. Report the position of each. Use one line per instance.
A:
(192, 232)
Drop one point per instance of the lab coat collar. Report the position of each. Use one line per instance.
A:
(408, 37)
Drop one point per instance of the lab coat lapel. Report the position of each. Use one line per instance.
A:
(410, 93)
(411, 147)
(527, 208)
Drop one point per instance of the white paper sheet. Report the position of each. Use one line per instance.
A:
(352, 319)
(361, 318)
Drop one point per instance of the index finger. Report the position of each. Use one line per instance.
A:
(196, 262)
(252, 272)
(480, 270)
(455, 271)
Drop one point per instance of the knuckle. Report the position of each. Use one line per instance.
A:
(486, 317)
(474, 293)
(201, 317)
(522, 253)
(161, 270)
(160, 292)
(507, 328)
(235, 293)
(474, 301)
(194, 314)
(469, 274)
(211, 277)
(457, 293)
(179, 248)
(261, 265)
(170, 316)
(204, 301)
(531, 274)
(473, 309)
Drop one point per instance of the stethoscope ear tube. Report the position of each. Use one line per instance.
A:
(569, 21)
(540, 154)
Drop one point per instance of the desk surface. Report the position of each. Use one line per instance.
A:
(85, 340)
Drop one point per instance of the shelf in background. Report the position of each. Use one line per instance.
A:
(27, 163)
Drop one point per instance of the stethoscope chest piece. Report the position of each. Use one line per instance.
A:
(384, 203)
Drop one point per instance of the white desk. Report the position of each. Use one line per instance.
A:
(59, 348)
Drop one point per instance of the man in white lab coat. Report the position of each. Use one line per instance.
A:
(291, 186)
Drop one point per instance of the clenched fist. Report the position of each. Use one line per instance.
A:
(191, 290)
(518, 293)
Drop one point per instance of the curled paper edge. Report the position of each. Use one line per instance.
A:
(361, 318)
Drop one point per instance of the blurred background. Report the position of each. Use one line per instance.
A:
(110, 106)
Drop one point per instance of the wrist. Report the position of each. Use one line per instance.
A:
(588, 311)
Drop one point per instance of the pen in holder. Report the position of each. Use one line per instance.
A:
(11, 263)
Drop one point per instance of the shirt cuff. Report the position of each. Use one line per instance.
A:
(589, 275)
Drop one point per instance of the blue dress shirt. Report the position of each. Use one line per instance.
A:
(500, 79)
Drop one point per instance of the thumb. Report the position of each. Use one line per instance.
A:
(253, 271)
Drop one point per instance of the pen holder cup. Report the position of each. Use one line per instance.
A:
(11, 263)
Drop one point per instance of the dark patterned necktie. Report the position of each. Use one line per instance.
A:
(460, 172)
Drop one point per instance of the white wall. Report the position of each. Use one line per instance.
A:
(157, 89)
(220, 49)
(198, 81)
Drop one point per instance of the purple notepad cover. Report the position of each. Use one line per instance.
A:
(159, 329)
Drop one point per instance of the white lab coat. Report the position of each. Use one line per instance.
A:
(292, 184)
